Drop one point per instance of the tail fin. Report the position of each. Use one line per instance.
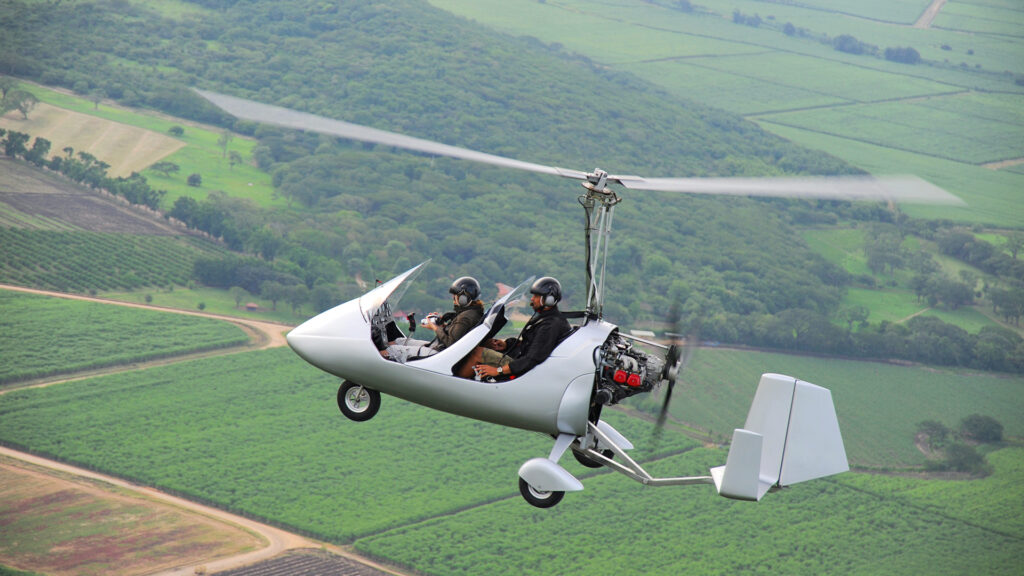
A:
(791, 435)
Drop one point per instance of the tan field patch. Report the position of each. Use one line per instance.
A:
(126, 148)
(61, 525)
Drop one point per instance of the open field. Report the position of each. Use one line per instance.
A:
(126, 148)
(41, 336)
(972, 111)
(879, 405)
(823, 527)
(195, 152)
(63, 525)
(261, 436)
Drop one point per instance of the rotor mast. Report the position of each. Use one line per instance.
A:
(598, 205)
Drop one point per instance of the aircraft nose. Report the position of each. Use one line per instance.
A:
(321, 340)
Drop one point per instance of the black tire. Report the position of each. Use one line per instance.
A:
(358, 403)
(590, 463)
(539, 498)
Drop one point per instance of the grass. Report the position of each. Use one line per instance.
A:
(42, 336)
(216, 301)
(200, 155)
(878, 405)
(707, 58)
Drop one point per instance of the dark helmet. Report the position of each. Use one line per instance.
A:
(549, 289)
(466, 288)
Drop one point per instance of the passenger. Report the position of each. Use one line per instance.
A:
(468, 313)
(516, 356)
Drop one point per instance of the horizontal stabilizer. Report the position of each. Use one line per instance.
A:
(791, 433)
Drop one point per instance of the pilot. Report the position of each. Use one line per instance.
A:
(515, 356)
(468, 313)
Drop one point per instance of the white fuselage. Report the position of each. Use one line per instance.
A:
(552, 398)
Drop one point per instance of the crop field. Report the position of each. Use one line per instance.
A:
(83, 261)
(75, 527)
(892, 139)
(822, 527)
(195, 152)
(969, 135)
(126, 148)
(879, 405)
(32, 198)
(999, 17)
(41, 336)
(992, 196)
(259, 433)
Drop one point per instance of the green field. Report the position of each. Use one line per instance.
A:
(201, 154)
(42, 336)
(846, 525)
(77, 261)
(259, 434)
(879, 405)
(972, 113)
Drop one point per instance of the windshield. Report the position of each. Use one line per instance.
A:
(381, 301)
(514, 295)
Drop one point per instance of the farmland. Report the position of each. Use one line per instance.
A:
(43, 336)
(76, 527)
(261, 436)
(955, 110)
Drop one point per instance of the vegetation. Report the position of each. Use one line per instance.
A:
(260, 434)
(81, 261)
(43, 336)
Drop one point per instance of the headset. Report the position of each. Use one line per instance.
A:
(466, 289)
(549, 289)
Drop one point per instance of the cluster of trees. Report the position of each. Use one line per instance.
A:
(957, 448)
(83, 168)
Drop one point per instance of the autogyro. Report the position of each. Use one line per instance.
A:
(791, 433)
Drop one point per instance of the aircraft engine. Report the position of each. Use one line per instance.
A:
(623, 370)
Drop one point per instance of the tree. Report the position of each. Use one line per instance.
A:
(323, 297)
(297, 296)
(97, 96)
(195, 179)
(855, 314)
(19, 100)
(964, 458)
(234, 158)
(903, 55)
(224, 140)
(7, 83)
(1014, 243)
(980, 428)
(176, 131)
(165, 168)
(936, 432)
(14, 145)
(239, 294)
(273, 291)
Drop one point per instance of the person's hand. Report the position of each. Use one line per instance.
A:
(485, 371)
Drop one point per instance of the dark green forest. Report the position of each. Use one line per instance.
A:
(736, 266)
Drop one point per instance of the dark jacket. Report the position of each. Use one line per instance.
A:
(534, 344)
(455, 325)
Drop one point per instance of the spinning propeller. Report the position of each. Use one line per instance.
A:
(886, 188)
(676, 359)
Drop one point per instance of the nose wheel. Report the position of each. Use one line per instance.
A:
(539, 498)
(358, 403)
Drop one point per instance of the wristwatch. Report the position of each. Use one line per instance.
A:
(499, 369)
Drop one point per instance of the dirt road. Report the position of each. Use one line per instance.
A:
(926, 19)
(265, 335)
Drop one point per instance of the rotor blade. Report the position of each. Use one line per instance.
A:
(896, 188)
(267, 114)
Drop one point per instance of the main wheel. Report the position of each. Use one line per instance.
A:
(357, 402)
(589, 462)
(539, 498)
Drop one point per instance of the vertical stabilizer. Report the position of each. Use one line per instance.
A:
(791, 432)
